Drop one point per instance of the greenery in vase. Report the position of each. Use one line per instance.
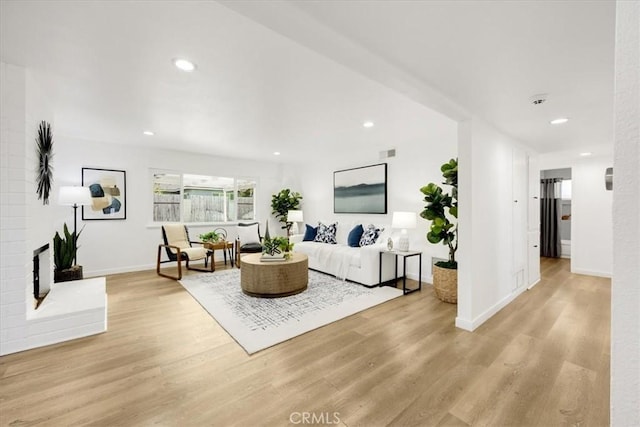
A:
(441, 208)
(64, 250)
(211, 237)
(282, 203)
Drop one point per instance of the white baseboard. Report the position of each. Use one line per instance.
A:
(133, 268)
(118, 270)
(591, 272)
(426, 280)
(471, 325)
(464, 324)
(533, 284)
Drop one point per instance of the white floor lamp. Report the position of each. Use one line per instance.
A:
(403, 221)
(74, 196)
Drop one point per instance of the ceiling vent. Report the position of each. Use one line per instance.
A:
(539, 99)
(387, 153)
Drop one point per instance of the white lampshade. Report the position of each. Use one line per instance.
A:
(74, 195)
(403, 220)
(295, 216)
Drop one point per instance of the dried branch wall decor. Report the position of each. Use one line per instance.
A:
(44, 178)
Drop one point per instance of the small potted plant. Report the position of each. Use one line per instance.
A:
(210, 237)
(441, 210)
(64, 254)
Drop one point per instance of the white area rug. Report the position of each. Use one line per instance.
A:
(258, 323)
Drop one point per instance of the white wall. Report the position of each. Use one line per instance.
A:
(416, 164)
(485, 276)
(591, 211)
(112, 246)
(105, 246)
(591, 219)
(625, 296)
(14, 259)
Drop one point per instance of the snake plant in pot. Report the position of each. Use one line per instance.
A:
(442, 211)
(64, 254)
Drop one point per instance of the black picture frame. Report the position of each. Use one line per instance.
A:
(108, 194)
(361, 190)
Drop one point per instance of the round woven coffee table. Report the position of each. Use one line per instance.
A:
(271, 279)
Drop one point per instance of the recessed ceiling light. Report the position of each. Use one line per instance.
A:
(184, 65)
(276, 153)
(586, 154)
(368, 124)
(559, 121)
(148, 132)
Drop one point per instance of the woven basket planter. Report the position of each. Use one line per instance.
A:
(445, 283)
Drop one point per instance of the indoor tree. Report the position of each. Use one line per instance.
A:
(439, 204)
(283, 202)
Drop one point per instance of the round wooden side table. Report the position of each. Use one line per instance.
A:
(271, 279)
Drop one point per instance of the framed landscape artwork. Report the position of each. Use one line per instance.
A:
(108, 194)
(361, 190)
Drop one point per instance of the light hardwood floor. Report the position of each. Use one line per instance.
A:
(542, 361)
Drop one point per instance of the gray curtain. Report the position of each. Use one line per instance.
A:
(550, 217)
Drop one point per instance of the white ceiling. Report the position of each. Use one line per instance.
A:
(311, 72)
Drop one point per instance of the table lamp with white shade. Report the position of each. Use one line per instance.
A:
(403, 221)
(294, 216)
(74, 196)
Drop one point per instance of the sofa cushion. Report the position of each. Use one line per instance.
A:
(329, 258)
(370, 235)
(354, 236)
(342, 232)
(310, 233)
(326, 233)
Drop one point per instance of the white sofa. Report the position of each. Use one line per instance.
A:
(356, 264)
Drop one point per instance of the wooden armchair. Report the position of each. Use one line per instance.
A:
(178, 248)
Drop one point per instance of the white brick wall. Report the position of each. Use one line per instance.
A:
(14, 262)
(25, 224)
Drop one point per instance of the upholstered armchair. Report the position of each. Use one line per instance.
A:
(248, 240)
(179, 247)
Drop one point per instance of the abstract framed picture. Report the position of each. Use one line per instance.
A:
(108, 194)
(361, 190)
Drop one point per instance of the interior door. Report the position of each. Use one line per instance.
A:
(519, 181)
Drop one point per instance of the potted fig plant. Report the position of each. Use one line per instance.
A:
(64, 254)
(283, 202)
(442, 211)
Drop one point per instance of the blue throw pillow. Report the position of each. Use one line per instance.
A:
(310, 233)
(354, 236)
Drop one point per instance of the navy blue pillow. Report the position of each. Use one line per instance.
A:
(354, 236)
(310, 233)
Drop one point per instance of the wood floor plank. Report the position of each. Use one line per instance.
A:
(570, 397)
(541, 361)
